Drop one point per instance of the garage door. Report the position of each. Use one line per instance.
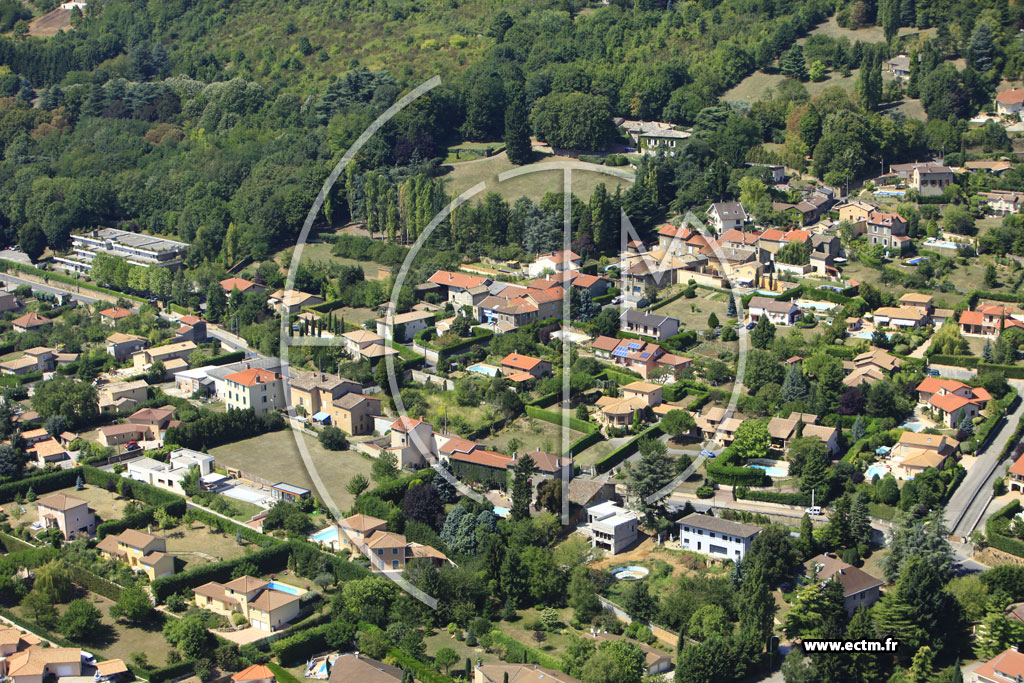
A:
(64, 670)
(261, 625)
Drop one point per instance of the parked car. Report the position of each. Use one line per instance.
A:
(933, 372)
(814, 511)
(132, 446)
(707, 454)
(751, 325)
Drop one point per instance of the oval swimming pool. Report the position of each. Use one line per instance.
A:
(630, 573)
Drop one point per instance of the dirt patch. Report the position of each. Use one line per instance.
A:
(50, 24)
(992, 557)
(648, 550)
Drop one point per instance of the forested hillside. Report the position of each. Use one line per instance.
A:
(217, 122)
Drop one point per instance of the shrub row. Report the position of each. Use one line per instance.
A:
(625, 450)
(40, 484)
(958, 361)
(798, 499)
(584, 442)
(267, 560)
(225, 358)
(12, 544)
(297, 648)
(724, 470)
(465, 345)
(997, 409)
(228, 526)
(621, 376)
(94, 583)
(999, 541)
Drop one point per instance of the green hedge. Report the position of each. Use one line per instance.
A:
(40, 484)
(625, 450)
(723, 470)
(295, 649)
(584, 442)
(799, 499)
(13, 543)
(94, 583)
(999, 541)
(621, 376)
(267, 561)
(958, 361)
(545, 400)
(167, 673)
(481, 474)
(232, 527)
(225, 358)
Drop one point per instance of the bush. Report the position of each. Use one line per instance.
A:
(705, 491)
(333, 439)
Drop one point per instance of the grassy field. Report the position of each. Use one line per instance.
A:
(871, 34)
(441, 639)
(320, 252)
(757, 85)
(532, 434)
(275, 456)
(465, 175)
(197, 544)
(115, 640)
(591, 455)
(693, 313)
(106, 505)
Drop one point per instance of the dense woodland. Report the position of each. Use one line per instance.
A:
(145, 118)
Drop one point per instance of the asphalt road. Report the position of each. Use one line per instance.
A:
(968, 503)
(81, 297)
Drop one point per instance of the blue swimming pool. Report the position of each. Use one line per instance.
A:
(870, 472)
(285, 588)
(327, 535)
(868, 335)
(913, 426)
(484, 369)
(501, 512)
(932, 242)
(774, 472)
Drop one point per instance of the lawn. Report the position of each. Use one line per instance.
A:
(116, 640)
(533, 434)
(465, 175)
(441, 403)
(106, 505)
(693, 313)
(590, 455)
(758, 85)
(442, 639)
(275, 456)
(872, 34)
(196, 544)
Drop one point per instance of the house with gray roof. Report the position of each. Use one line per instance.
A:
(716, 537)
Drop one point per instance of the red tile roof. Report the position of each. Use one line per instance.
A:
(1011, 96)
(116, 313)
(458, 280)
(233, 283)
(485, 458)
(520, 362)
(773, 235)
(252, 376)
(1007, 666)
(604, 343)
(405, 424)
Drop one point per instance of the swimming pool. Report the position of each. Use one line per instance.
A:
(932, 242)
(880, 470)
(774, 472)
(484, 369)
(868, 335)
(326, 535)
(815, 305)
(285, 588)
(913, 426)
(501, 512)
(631, 573)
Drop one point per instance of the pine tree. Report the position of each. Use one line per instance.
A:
(793, 64)
(860, 520)
(794, 387)
(859, 429)
(865, 667)
(604, 219)
(966, 426)
(763, 333)
(730, 308)
(522, 489)
(517, 127)
(869, 83)
(986, 351)
(712, 321)
(513, 579)
(808, 545)
(981, 51)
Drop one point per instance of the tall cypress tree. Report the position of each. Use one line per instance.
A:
(517, 127)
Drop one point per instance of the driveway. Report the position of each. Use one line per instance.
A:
(244, 636)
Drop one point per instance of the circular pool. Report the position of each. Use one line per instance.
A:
(630, 573)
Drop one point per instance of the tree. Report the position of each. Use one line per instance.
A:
(53, 581)
(991, 278)
(793, 64)
(814, 473)
(446, 658)
(385, 467)
(981, 52)
(794, 387)
(357, 484)
(77, 402)
(333, 439)
(860, 520)
(522, 488)
(616, 661)
(371, 598)
(818, 612)
(675, 423)
(422, 504)
(638, 601)
(514, 584)
(41, 607)
(713, 321)
(917, 612)
(966, 426)
(133, 604)
(771, 554)
(11, 461)
(859, 429)
(573, 120)
(216, 302)
(752, 439)
(32, 241)
(583, 594)
(763, 333)
(517, 127)
(762, 369)
(650, 474)
(808, 545)
(924, 537)
(958, 220)
(730, 308)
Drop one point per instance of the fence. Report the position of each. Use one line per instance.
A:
(427, 378)
(669, 637)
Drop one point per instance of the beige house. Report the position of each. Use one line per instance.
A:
(357, 529)
(110, 316)
(636, 398)
(50, 452)
(314, 391)
(143, 552)
(915, 452)
(265, 608)
(291, 301)
(412, 442)
(714, 424)
(356, 667)
(784, 430)
(30, 321)
(119, 434)
(35, 664)
(519, 673)
(257, 673)
(1003, 202)
(123, 395)
(353, 413)
(860, 589)
(123, 346)
(930, 179)
(404, 326)
(71, 515)
(143, 359)
(256, 388)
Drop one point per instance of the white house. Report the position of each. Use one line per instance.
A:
(404, 326)
(716, 537)
(611, 527)
(1010, 101)
(555, 262)
(778, 312)
(726, 216)
(168, 475)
